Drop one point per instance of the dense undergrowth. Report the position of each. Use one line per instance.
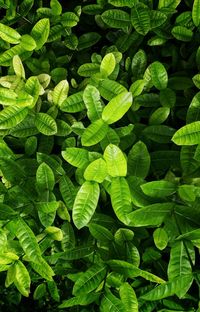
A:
(100, 155)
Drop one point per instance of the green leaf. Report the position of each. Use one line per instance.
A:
(115, 160)
(159, 115)
(122, 3)
(179, 263)
(116, 18)
(43, 269)
(159, 189)
(188, 135)
(140, 18)
(88, 40)
(170, 288)
(18, 67)
(77, 157)
(28, 241)
(100, 233)
(117, 107)
(196, 12)
(159, 133)
(69, 19)
(44, 178)
(111, 303)
(39, 292)
(12, 116)
(88, 69)
(128, 297)
(74, 103)
(91, 98)
(182, 33)
(85, 203)
(53, 290)
(138, 160)
(121, 198)
(94, 133)
(7, 212)
(56, 7)
(172, 4)
(9, 34)
(45, 124)
(108, 64)
(152, 215)
(79, 300)
(60, 92)
(96, 171)
(40, 32)
(28, 43)
(77, 253)
(160, 238)
(47, 212)
(22, 278)
(158, 75)
(109, 89)
(89, 280)
(7, 56)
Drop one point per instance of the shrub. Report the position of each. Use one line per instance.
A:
(100, 155)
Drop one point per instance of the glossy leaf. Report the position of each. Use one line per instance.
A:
(96, 171)
(128, 298)
(188, 135)
(140, 18)
(85, 203)
(116, 18)
(91, 98)
(94, 133)
(138, 160)
(115, 160)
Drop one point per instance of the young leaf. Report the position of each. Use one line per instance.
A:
(117, 107)
(40, 32)
(45, 124)
(91, 98)
(159, 75)
(138, 160)
(18, 67)
(77, 157)
(188, 135)
(89, 280)
(85, 203)
(115, 160)
(45, 178)
(94, 133)
(128, 297)
(159, 189)
(151, 215)
(121, 198)
(60, 92)
(116, 18)
(160, 238)
(108, 64)
(140, 18)
(170, 288)
(96, 171)
(9, 34)
(196, 12)
(22, 278)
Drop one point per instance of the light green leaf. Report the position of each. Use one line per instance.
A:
(122, 3)
(74, 103)
(47, 212)
(138, 160)
(45, 124)
(22, 278)
(9, 34)
(170, 288)
(158, 75)
(108, 64)
(69, 19)
(89, 280)
(179, 263)
(88, 69)
(91, 98)
(117, 107)
(40, 32)
(121, 198)
(151, 215)
(60, 92)
(159, 116)
(111, 303)
(12, 116)
(18, 67)
(43, 269)
(56, 7)
(94, 133)
(160, 238)
(116, 18)
(44, 178)
(77, 157)
(159, 189)
(85, 203)
(96, 171)
(27, 43)
(170, 4)
(196, 12)
(182, 33)
(110, 88)
(188, 135)
(115, 160)
(140, 18)
(128, 297)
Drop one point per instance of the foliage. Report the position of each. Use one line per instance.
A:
(100, 155)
